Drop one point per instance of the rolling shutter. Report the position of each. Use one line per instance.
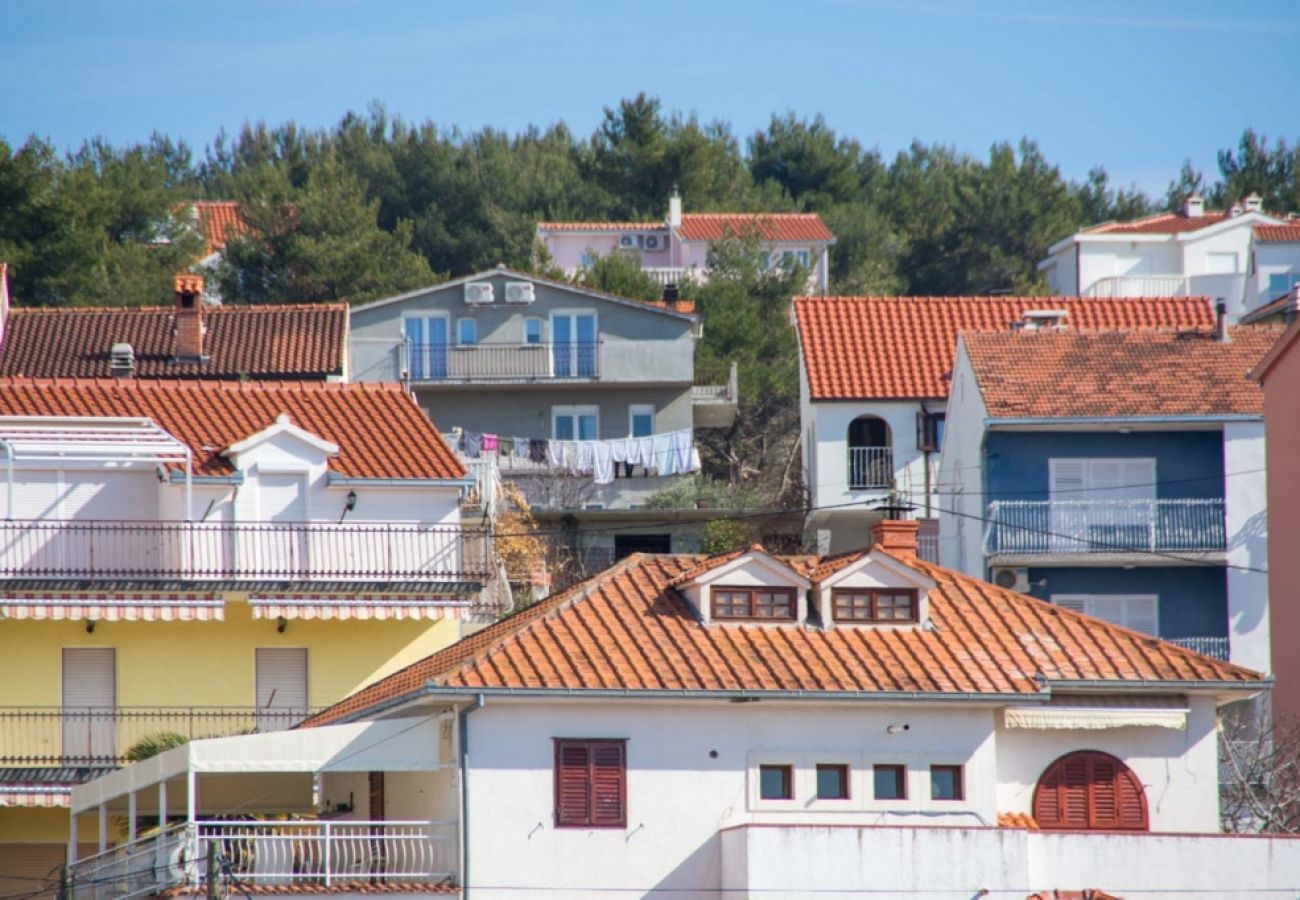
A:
(572, 794)
(89, 704)
(590, 784)
(281, 687)
(1090, 791)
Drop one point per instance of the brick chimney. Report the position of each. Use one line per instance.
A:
(188, 319)
(896, 536)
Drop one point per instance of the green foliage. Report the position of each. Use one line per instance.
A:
(620, 273)
(725, 535)
(152, 744)
(700, 492)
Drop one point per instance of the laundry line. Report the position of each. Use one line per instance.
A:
(668, 452)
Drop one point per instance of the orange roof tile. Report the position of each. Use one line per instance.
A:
(628, 630)
(304, 341)
(1277, 234)
(218, 220)
(903, 347)
(1017, 820)
(380, 431)
(1160, 223)
(766, 226)
(1072, 374)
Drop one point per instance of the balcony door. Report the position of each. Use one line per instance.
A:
(283, 507)
(89, 706)
(281, 687)
(573, 345)
(426, 347)
(1101, 505)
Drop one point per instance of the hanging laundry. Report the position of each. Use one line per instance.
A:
(506, 446)
(537, 451)
(664, 458)
(683, 448)
(489, 443)
(473, 444)
(555, 454)
(603, 461)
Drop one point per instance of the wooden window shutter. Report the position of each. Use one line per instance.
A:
(1090, 790)
(608, 784)
(572, 794)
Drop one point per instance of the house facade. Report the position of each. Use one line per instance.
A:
(191, 559)
(1278, 375)
(1193, 252)
(750, 725)
(585, 400)
(1121, 474)
(874, 375)
(676, 250)
(1274, 265)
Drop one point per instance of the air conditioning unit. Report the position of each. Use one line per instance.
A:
(627, 242)
(1012, 578)
(478, 293)
(653, 242)
(520, 292)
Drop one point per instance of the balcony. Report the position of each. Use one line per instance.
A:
(303, 856)
(496, 363)
(60, 736)
(216, 551)
(871, 468)
(1140, 286)
(1213, 647)
(1103, 530)
(715, 396)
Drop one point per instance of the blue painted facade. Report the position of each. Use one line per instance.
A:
(1189, 465)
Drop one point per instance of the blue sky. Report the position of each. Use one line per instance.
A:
(1137, 85)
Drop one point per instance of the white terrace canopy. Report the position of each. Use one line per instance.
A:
(272, 772)
(67, 440)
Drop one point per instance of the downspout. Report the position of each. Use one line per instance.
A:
(462, 732)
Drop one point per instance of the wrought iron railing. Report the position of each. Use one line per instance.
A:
(1018, 527)
(213, 550)
(870, 467)
(102, 737)
(292, 856)
(496, 362)
(1214, 647)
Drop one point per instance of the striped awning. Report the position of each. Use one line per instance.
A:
(357, 606)
(118, 607)
(1093, 712)
(14, 795)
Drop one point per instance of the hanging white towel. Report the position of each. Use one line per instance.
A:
(683, 445)
(664, 457)
(603, 461)
(645, 448)
(555, 454)
(622, 450)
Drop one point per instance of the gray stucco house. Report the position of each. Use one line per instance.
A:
(503, 361)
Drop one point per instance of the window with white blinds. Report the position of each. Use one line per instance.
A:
(281, 687)
(89, 704)
(1102, 479)
(1141, 612)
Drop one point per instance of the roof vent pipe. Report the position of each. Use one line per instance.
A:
(1194, 206)
(1221, 321)
(121, 361)
(675, 209)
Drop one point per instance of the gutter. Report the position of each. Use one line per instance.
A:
(334, 480)
(434, 690)
(992, 422)
(1263, 684)
(462, 733)
(175, 476)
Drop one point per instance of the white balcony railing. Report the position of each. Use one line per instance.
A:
(674, 274)
(290, 856)
(871, 468)
(1215, 647)
(1140, 286)
(1027, 527)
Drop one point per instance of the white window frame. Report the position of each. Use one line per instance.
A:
(640, 409)
(1088, 605)
(473, 322)
(541, 331)
(576, 412)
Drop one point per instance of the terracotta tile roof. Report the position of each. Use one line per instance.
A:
(627, 629)
(218, 220)
(1278, 234)
(1071, 374)
(904, 347)
(768, 226)
(379, 429)
(1017, 820)
(306, 341)
(1278, 307)
(1161, 223)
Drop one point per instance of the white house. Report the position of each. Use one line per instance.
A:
(676, 250)
(1195, 252)
(1119, 473)
(874, 374)
(746, 725)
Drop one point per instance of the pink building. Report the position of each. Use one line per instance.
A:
(676, 249)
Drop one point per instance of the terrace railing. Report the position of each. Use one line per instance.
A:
(250, 551)
(560, 361)
(1029, 527)
(870, 467)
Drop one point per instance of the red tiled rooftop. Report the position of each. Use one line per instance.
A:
(379, 429)
(766, 226)
(1072, 374)
(1161, 223)
(218, 220)
(903, 347)
(629, 630)
(1278, 234)
(303, 341)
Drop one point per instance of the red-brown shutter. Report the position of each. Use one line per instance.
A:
(608, 771)
(572, 796)
(1090, 790)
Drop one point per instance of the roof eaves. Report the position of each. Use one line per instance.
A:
(1276, 352)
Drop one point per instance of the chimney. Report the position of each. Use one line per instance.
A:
(1253, 202)
(1221, 321)
(121, 361)
(4, 297)
(1194, 206)
(675, 209)
(188, 319)
(896, 536)
(671, 294)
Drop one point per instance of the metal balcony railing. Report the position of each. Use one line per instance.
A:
(102, 737)
(870, 467)
(503, 362)
(296, 856)
(249, 551)
(1020, 527)
(1215, 647)
(1140, 286)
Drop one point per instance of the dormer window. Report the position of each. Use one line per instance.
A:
(877, 605)
(749, 603)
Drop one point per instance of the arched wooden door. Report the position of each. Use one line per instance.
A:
(1090, 791)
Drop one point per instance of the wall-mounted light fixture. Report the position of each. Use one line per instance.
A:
(348, 505)
(281, 624)
(90, 626)
(897, 729)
